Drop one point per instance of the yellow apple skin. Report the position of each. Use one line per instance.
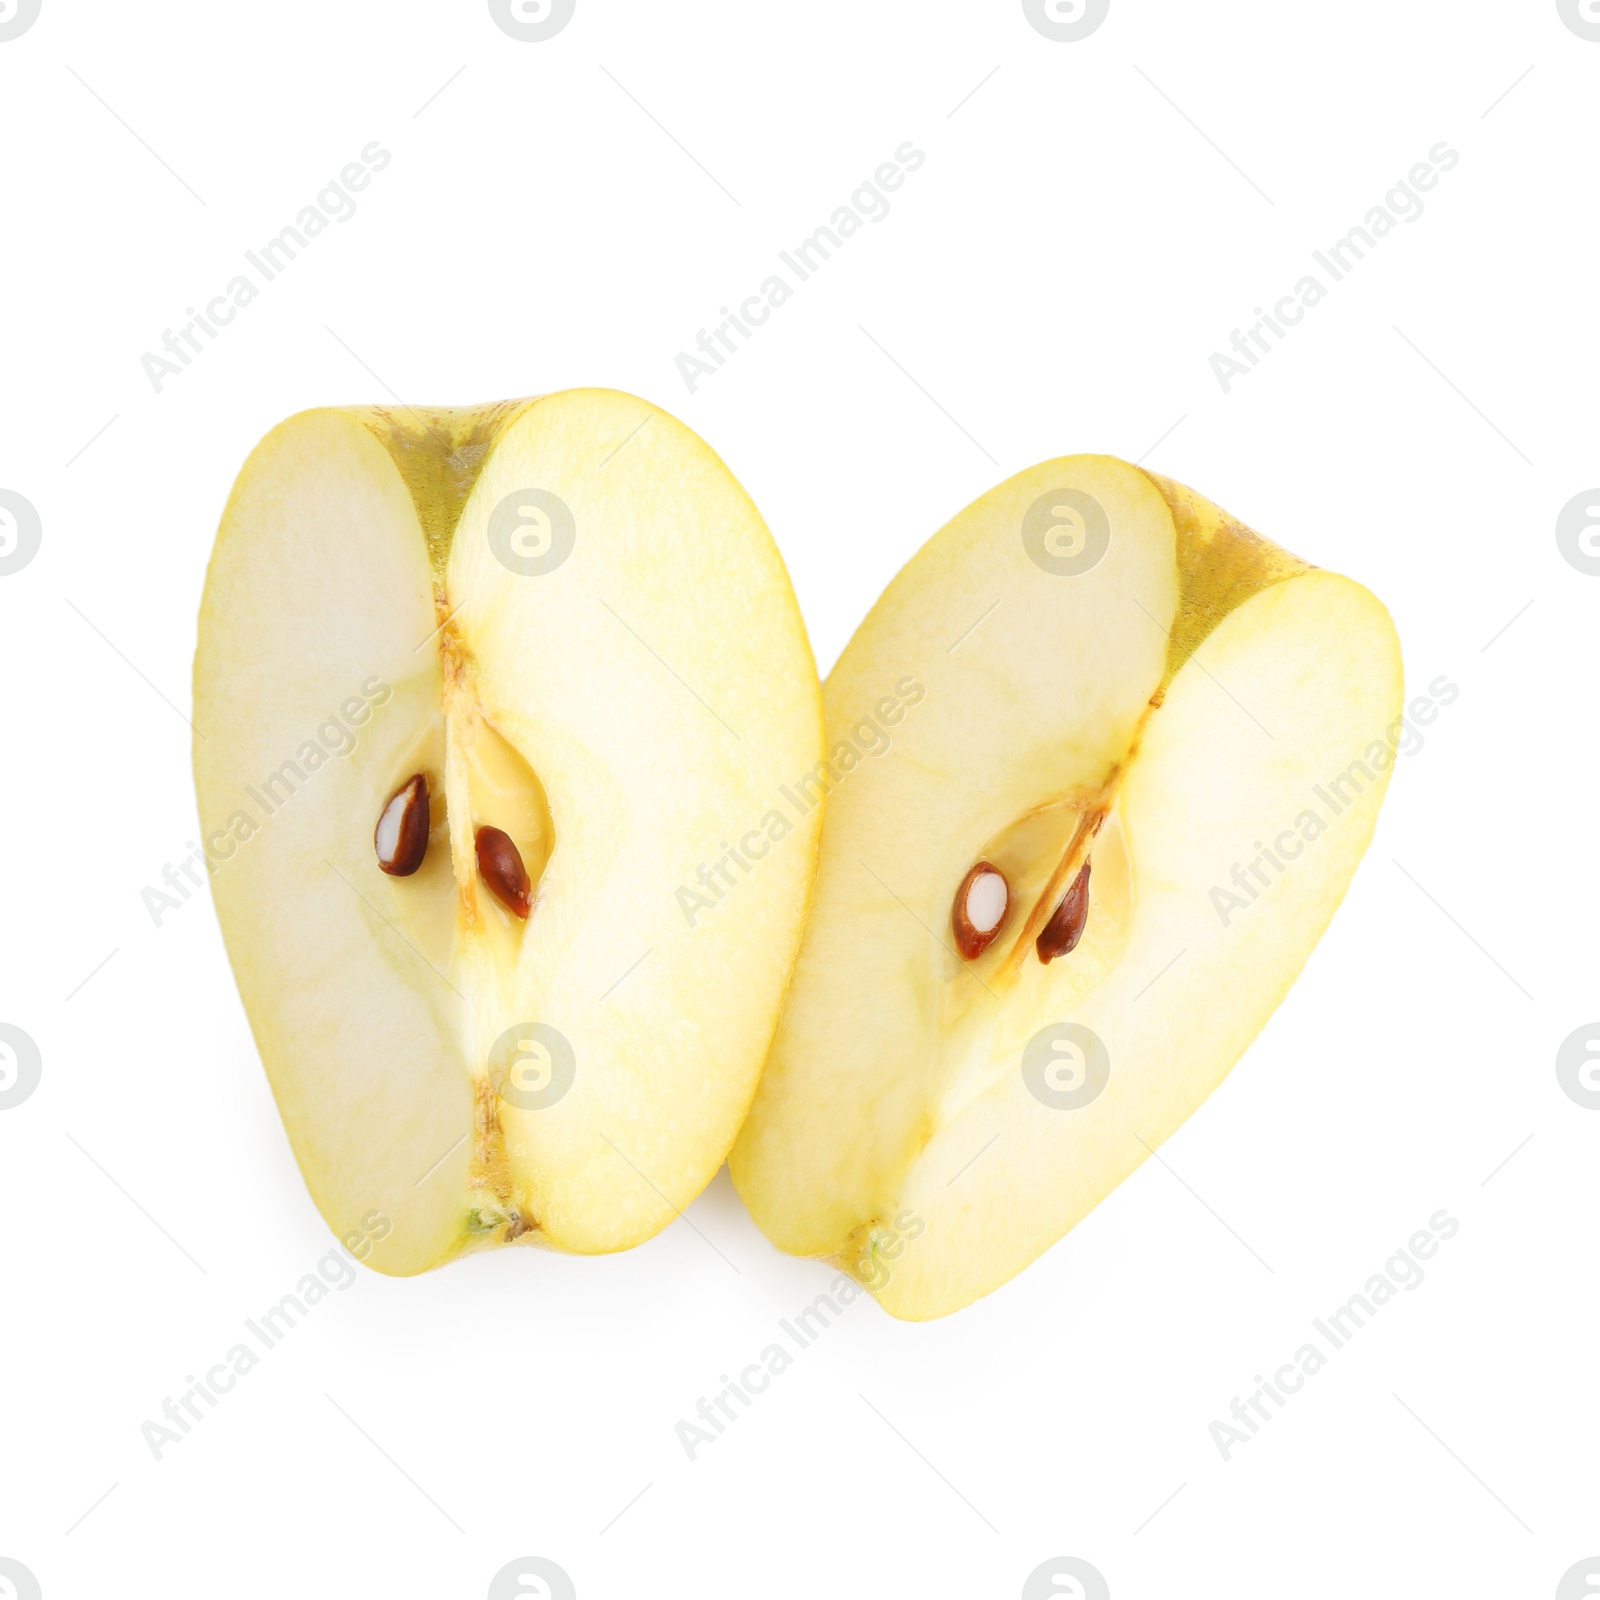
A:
(1156, 714)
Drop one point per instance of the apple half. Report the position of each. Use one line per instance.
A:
(478, 695)
(1073, 878)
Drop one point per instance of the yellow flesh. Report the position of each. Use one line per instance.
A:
(619, 717)
(1190, 689)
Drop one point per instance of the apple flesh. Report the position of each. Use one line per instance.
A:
(441, 648)
(1131, 699)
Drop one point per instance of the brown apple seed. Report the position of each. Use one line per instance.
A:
(1062, 932)
(401, 838)
(502, 869)
(979, 911)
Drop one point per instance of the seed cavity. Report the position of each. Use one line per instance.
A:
(1062, 932)
(979, 911)
(401, 837)
(501, 865)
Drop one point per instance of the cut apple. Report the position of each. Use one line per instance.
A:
(477, 693)
(1168, 740)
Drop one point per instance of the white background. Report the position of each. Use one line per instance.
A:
(1091, 223)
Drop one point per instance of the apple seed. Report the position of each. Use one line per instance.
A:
(401, 839)
(979, 909)
(501, 865)
(1065, 928)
